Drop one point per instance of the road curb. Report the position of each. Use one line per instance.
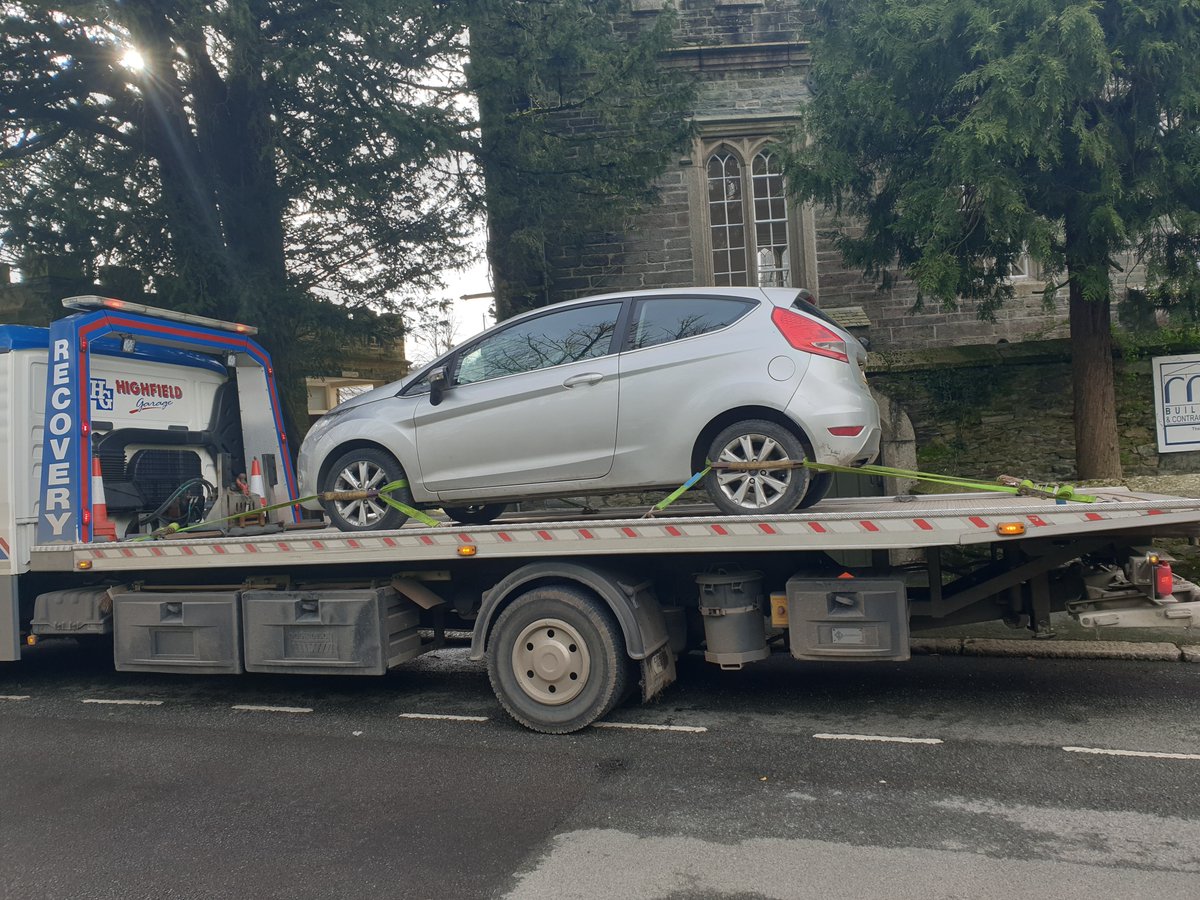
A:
(1135, 650)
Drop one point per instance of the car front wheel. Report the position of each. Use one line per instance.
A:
(744, 488)
(365, 469)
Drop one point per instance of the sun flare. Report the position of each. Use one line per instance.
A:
(133, 60)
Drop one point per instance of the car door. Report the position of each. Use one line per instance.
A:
(535, 402)
(682, 364)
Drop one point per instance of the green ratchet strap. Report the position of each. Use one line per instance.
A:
(1005, 484)
(382, 493)
(409, 511)
(677, 493)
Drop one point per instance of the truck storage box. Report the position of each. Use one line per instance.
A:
(853, 618)
(72, 612)
(352, 632)
(178, 632)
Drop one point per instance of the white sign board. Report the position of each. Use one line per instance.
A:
(1177, 402)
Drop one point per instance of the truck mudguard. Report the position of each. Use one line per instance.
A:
(631, 600)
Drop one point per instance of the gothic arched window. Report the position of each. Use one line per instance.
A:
(748, 219)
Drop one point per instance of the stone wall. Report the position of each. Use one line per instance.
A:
(984, 411)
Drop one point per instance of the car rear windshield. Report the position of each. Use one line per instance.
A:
(811, 309)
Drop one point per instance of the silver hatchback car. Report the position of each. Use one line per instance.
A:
(622, 392)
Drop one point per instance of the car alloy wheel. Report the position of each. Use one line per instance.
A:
(365, 469)
(767, 490)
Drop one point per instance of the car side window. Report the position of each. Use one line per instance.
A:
(569, 335)
(666, 319)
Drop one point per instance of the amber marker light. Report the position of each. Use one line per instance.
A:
(85, 564)
(467, 550)
(1009, 529)
(31, 639)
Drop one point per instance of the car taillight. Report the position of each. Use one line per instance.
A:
(1164, 581)
(809, 335)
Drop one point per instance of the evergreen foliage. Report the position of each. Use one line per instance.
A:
(962, 133)
(578, 119)
(292, 164)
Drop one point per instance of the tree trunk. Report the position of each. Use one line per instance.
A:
(1097, 452)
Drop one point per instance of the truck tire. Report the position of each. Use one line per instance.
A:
(761, 491)
(557, 660)
(359, 469)
(476, 514)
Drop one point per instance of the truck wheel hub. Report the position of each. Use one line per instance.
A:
(550, 661)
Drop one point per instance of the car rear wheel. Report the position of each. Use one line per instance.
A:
(475, 514)
(365, 469)
(819, 484)
(773, 488)
(557, 660)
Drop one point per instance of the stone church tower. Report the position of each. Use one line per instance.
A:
(725, 216)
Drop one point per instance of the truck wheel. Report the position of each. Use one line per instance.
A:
(819, 484)
(556, 660)
(363, 469)
(476, 514)
(763, 491)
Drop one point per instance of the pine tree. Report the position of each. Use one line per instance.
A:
(963, 133)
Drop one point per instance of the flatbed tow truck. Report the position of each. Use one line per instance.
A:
(572, 612)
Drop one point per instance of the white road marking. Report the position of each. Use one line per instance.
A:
(108, 702)
(249, 707)
(1148, 754)
(877, 737)
(687, 729)
(443, 718)
(14, 697)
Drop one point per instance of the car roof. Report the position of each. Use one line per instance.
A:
(777, 296)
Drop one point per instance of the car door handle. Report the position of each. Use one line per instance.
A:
(585, 378)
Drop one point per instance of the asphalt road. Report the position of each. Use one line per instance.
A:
(766, 787)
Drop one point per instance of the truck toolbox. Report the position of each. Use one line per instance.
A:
(72, 612)
(196, 633)
(854, 618)
(351, 632)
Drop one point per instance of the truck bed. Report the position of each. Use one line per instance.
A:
(866, 523)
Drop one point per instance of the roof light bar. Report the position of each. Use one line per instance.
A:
(89, 302)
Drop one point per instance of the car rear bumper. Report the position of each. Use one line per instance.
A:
(845, 431)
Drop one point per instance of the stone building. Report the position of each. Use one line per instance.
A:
(724, 215)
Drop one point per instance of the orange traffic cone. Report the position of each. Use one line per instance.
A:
(257, 486)
(102, 526)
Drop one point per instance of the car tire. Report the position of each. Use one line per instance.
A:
(365, 468)
(475, 514)
(759, 491)
(556, 659)
(819, 484)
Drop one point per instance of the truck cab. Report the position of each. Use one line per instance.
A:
(150, 398)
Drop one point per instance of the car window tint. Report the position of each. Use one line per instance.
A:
(672, 319)
(568, 336)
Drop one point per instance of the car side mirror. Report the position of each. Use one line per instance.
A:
(437, 385)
